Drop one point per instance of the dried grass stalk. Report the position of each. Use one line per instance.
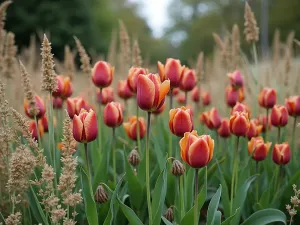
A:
(251, 30)
(84, 58)
(137, 58)
(125, 44)
(69, 65)
(276, 47)
(199, 67)
(9, 56)
(112, 52)
(235, 38)
(3, 8)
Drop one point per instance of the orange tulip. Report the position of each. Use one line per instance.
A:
(188, 80)
(293, 105)
(64, 87)
(267, 98)
(124, 91)
(172, 70)
(113, 114)
(33, 131)
(279, 116)
(258, 149)
(85, 128)
(57, 103)
(240, 107)
(106, 96)
(224, 130)
(254, 129)
(181, 121)
(234, 95)
(196, 94)
(211, 119)
(132, 78)
(159, 110)
(236, 79)
(39, 104)
(151, 92)
(131, 127)
(74, 106)
(239, 123)
(206, 98)
(196, 151)
(281, 153)
(102, 74)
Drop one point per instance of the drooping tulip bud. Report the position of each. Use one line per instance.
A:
(177, 168)
(236, 79)
(240, 107)
(134, 158)
(206, 98)
(196, 151)
(234, 95)
(224, 130)
(101, 195)
(85, 126)
(254, 130)
(40, 106)
(281, 153)
(113, 114)
(151, 92)
(188, 80)
(172, 70)
(196, 94)
(211, 119)
(64, 87)
(239, 123)
(33, 131)
(159, 110)
(279, 116)
(293, 105)
(105, 96)
(131, 127)
(181, 121)
(132, 78)
(258, 149)
(169, 214)
(267, 98)
(102, 74)
(124, 91)
(74, 106)
(57, 103)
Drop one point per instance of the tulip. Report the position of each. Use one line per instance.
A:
(254, 129)
(181, 121)
(124, 91)
(151, 92)
(172, 70)
(175, 91)
(258, 149)
(267, 98)
(44, 122)
(105, 95)
(74, 106)
(188, 80)
(113, 115)
(281, 153)
(159, 110)
(181, 98)
(279, 116)
(236, 79)
(85, 127)
(57, 103)
(196, 151)
(240, 107)
(102, 74)
(234, 95)
(132, 78)
(40, 106)
(239, 123)
(196, 94)
(293, 105)
(130, 127)
(206, 98)
(211, 119)
(64, 87)
(266, 123)
(224, 130)
(33, 130)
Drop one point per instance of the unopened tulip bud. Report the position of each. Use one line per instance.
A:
(196, 95)
(33, 131)
(236, 79)
(169, 214)
(172, 71)
(177, 168)
(279, 116)
(188, 80)
(57, 103)
(211, 119)
(254, 129)
(239, 123)
(206, 98)
(224, 130)
(64, 87)
(134, 158)
(293, 105)
(40, 106)
(113, 115)
(101, 195)
(132, 78)
(105, 96)
(264, 121)
(181, 98)
(267, 98)
(124, 91)
(240, 107)
(131, 127)
(258, 149)
(181, 121)
(102, 74)
(74, 106)
(281, 153)
(234, 95)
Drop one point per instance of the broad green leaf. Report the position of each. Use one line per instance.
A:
(217, 218)
(265, 216)
(189, 188)
(167, 222)
(213, 206)
(130, 214)
(228, 220)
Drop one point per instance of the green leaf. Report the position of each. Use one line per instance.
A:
(265, 216)
(228, 220)
(88, 196)
(130, 214)
(217, 218)
(213, 206)
(189, 184)
(167, 222)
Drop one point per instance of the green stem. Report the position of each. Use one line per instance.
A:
(195, 198)
(186, 98)
(52, 147)
(114, 154)
(148, 170)
(87, 159)
(235, 167)
(278, 136)
(267, 125)
(37, 131)
(276, 179)
(294, 135)
(255, 59)
(256, 182)
(182, 211)
(99, 120)
(170, 134)
(138, 129)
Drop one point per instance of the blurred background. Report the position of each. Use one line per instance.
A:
(164, 28)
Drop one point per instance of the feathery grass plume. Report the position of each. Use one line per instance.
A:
(297, 42)
(32, 53)
(84, 58)
(251, 30)
(227, 53)
(125, 44)
(3, 8)
(199, 67)
(2, 45)
(235, 38)
(14, 219)
(276, 47)
(29, 95)
(290, 41)
(218, 41)
(136, 58)
(9, 56)
(69, 65)
(49, 82)
(112, 52)
(295, 201)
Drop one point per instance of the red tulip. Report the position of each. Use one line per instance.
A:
(102, 74)
(175, 91)
(262, 119)
(234, 95)
(181, 98)
(106, 97)
(293, 105)
(181, 121)
(131, 127)
(267, 98)
(64, 87)
(113, 114)
(85, 128)
(74, 106)
(281, 153)
(254, 129)
(132, 78)
(211, 119)
(279, 116)
(124, 91)
(236, 79)
(151, 92)
(159, 110)
(188, 80)
(258, 149)
(32, 129)
(196, 151)
(240, 107)
(206, 98)
(39, 104)
(224, 130)
(196, 94)
(57, 103)
(44, 122)
(239, 123)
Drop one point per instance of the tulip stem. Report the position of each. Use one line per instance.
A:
(186, 98)
(100, 119)
(38, 131)
(87, 158)
(294, 135)
(170, 134)
(256, 182)
(114, 155)
(182, 211)
(138, 129)
(235, 167)
(267, 125)
(278, 136)
(51, 138)
(255, 59)
(148, 170)
(195, 198)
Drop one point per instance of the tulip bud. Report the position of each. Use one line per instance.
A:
(132, 78)
(177, 168)
(124, 91)
(234, 95)
(264, 121)
(175, 91)
(151, 92)
(172, 70)
(181, 98)
(169, 214)
(134, 158)
(279, 116)
(224, 130)
(236, 79)
(105, 96)
(33, 131)
(159, 110)
(101, 195)
(196, 151)
(267, 98)
(131, 127)
(211, 119)
(258, 149)
(74, 106)
(40, 106)
(239, 123)
(181, 121)
(293, 105)
(281, 153)
(188, 80)
(113, 114)
(64, 87)
(102, 74)
(196, 94)
(254, 129)
(85, 128)
(206, 98)
(57, 103)
(240, 107)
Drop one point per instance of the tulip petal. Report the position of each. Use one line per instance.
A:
(198, 154)
(90, 126)
(145, 92)
(182, 123)
(77, 128)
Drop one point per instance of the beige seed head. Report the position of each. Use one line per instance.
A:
(9, 56)
(177, 168)
(69, 65)
(84, 58)
(134, 158)
(14, 219)
(199, 67)
(3, 8)
(101, 195)
(251, 30)
(137, 58)
(169, 214)
(125, 44)
(112, 52)
(235, 38)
